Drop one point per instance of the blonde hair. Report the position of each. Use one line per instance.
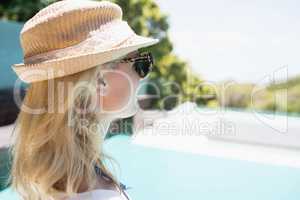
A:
(56, 149)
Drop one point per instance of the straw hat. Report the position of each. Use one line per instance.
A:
(70, 36)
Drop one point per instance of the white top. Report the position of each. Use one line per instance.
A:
(99, 194)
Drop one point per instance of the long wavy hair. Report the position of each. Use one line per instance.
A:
(55, 148)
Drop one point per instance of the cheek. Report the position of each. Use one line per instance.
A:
(122, 87)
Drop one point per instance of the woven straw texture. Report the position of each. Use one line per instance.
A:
(70, 36)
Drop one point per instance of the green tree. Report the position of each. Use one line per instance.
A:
(171, 74)
(21, 10)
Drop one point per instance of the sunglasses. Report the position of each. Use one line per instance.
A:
(142, 63)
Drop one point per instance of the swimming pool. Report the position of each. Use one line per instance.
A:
(165, 174)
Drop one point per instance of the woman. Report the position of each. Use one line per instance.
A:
(83, 67)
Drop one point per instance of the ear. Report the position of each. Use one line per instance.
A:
(101, 81)
(101, 85)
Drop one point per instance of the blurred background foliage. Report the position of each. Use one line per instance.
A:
(171, 74)
(282, 96)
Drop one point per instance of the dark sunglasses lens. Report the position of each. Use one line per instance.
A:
(142, 67)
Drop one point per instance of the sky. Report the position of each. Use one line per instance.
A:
(240, 40)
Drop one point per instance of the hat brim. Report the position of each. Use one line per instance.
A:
(59, 67)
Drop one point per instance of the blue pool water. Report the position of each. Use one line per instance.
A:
(159, 174)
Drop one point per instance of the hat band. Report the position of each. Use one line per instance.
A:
(107, 37)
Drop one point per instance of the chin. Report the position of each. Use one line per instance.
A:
(128, 112)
